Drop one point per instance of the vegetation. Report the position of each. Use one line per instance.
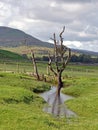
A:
(21, 106)
(41, 54)
(83, 58)
(7, 55)
(85, 89)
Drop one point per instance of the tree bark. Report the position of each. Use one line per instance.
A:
(35, 66)
(60, 83)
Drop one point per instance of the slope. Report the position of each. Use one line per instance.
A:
(7, 55)
(10, 37)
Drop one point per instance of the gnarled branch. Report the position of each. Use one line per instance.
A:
(50, 66)
(61, 39)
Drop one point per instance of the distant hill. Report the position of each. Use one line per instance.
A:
(85, 52)
(10, 37)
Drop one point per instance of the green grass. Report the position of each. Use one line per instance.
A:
(21, 106)
(85, 89)
(8, 55)
(22, 81)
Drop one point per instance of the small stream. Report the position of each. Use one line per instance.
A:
(55, 105)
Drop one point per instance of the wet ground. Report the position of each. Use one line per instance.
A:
(55, 105)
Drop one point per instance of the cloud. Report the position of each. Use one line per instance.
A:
(42, 18)
(76, 1)
(75, 44)
(17, 24)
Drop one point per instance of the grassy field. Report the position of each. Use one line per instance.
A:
(21, 106)
(84, 86)
(27, 49)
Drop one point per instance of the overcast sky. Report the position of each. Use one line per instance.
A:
(41, 18)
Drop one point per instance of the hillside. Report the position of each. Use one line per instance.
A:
(10, 37)
(85, 52)
(7, 55)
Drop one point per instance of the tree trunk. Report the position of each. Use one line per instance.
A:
(35, 67)
(60, 83)
(36, 71)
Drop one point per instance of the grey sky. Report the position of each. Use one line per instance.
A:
(41, 18)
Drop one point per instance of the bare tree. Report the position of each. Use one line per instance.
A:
(35, 66)
(62, 55)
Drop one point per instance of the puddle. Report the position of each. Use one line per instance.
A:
(55, 105)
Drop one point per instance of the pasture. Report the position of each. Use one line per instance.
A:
(21, 106)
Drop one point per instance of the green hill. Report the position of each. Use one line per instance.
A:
(7, 55)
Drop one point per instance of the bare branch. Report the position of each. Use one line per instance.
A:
(61, 39)
(50, 66)
(60, 61)
(62, 31)
(55, 44)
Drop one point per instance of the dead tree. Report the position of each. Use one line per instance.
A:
(62, 55)
(35, 66)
